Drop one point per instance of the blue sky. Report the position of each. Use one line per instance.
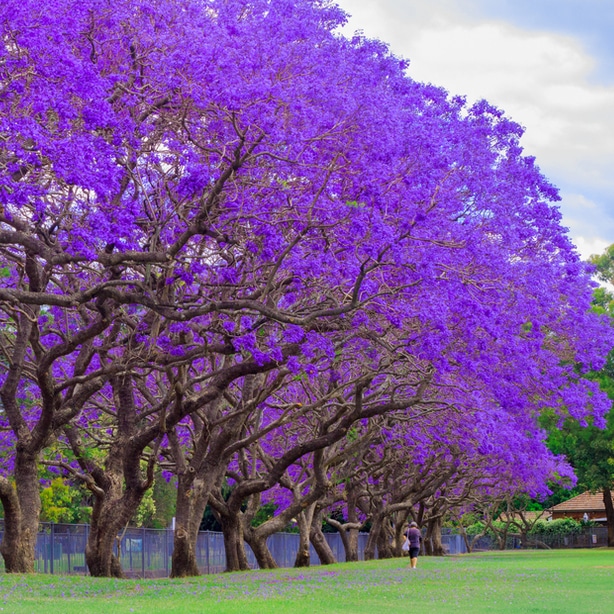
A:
(548, 63)
(590, 21)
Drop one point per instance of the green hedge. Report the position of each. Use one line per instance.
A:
(563, 526)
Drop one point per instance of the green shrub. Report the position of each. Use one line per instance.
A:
(562, 526)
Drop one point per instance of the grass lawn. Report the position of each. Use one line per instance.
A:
(557, 581)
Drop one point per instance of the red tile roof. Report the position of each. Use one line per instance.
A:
(528, 516)
(586, 502)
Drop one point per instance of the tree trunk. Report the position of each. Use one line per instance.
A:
(502, 539)
(304, 520)
(187, 524)
(427, 546)
(236, 560)
(99, 556)
(351, 546)
(16, 559)
(434, 537)
(303, 509)
(192, 497)
(112, 511)
(609, 514)
(399, 538)
(257, 537)
(349, 539)
(372, 540)
(22, 507)
(196, 480)
(500, 534)
(384, 550)
(352, 527)
(303, 554)
(468, 543)
(257, 543)
(320, 545)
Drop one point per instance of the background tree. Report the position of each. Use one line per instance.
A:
(591, 449)
(604, 263)
(187, 207)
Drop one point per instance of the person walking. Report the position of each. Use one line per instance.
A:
(414, 537)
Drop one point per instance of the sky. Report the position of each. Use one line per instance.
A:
(549, 64)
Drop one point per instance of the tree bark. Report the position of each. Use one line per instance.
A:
(99, 556)
(21, 499)
(384, 550)
(609, 514)
(193, 494)
(264, 558)
(304, 520)
(197, 478)
(349, 539)
(303, 554)
(188, 515)
(236, 560)
(427, 546)
(434, 537)
(320, 545)
(470, 542)
(372, 540)
(118, 487)
(257, 537)
(351, 545)
(112, 510)
(22, 505)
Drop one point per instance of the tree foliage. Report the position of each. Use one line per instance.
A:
(604, 263)
(232, 260)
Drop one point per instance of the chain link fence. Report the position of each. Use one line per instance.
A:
(590, 537)
(147, 553)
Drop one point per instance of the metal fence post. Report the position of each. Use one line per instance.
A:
(45, 545)
(166, 531)
(52, 547)
(207, 559)
(143, 551)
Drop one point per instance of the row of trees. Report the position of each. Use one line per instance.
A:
(590, 447)
(288, 268)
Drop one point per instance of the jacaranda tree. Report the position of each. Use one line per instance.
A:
(197, 193)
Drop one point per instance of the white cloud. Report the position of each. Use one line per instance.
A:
(582, 217)
(588, 246)
(540, 78)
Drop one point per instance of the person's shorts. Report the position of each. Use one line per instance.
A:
(414, 552)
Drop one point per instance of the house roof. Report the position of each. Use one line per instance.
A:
(586, 502)
(528, 516)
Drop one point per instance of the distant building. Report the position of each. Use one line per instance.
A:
(529, 517)
(584, 507)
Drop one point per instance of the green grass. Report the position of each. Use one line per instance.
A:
(557, 581)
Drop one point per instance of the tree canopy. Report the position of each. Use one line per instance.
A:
(230, 236)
